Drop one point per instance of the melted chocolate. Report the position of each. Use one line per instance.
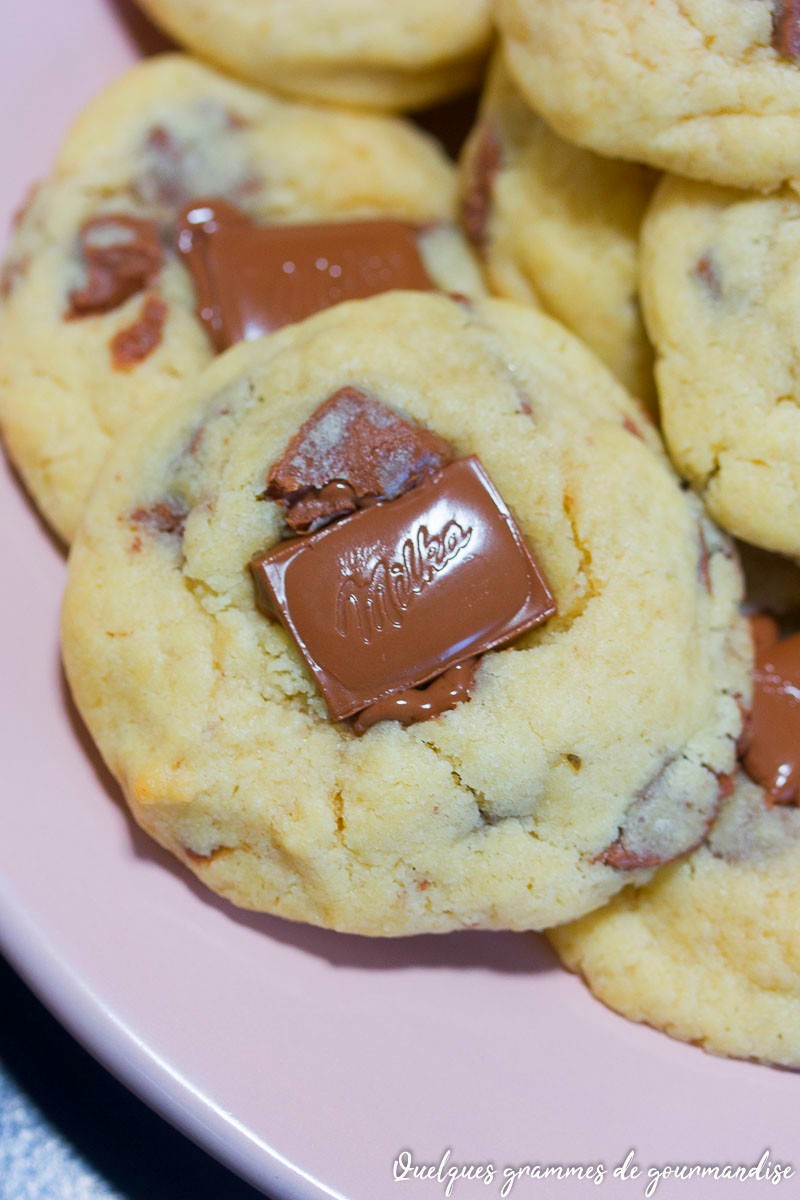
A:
(771, 753)
(451, 688)
(351, 452)
(394, 595)
(122, 256)
(251, 279)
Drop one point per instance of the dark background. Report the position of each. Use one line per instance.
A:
(69, 1131)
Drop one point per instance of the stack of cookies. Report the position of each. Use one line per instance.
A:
(387, 606)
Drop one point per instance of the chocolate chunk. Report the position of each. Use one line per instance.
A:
(771, 748)
(251, 279)
(167, 516)
(394, 595)
(786, 28)
(484, 160)
(670, 817)
(137, 342)
(451, 688)
(122, 255)
(351, 452)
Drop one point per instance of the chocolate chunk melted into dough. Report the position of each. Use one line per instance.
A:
(122, 255)
(251, 279)
(392, 596)
(137, 342)
(484, 161)
(670, 817)
(771, 749)
(350, 453)
(167, 516)
(448, 690)
(786, 28)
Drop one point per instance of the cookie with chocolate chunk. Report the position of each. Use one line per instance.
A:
(708, 951)
(365, 53)
(185, 212)
(706, 89)
(721, 288)
(399, 620)
(557, 226)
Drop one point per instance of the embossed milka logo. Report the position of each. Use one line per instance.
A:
(369, 606)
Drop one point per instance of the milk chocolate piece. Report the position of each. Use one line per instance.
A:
(786, 28)
(771, 754)
(392, 596)
(454, 686)
(122, 256)
(351, 452)
(251, 279)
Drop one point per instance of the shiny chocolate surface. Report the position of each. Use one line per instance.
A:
(393, 595)
(251, 279)
(772, 751)
(453, 687)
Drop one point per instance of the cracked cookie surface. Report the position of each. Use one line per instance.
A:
(721, 288)
(558, 227)
(365, 53)
(705, 88)
(610, 728)
(98, 311)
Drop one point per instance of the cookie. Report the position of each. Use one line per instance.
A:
(98, 300)
(708, 951)
(720, 288)
(354, 52)
(255, 707)
(558, 226)
(704, 89)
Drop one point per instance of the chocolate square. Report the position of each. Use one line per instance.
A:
(388, 598)
(252, 279)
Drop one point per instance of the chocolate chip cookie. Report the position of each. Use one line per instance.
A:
(706, 89)
(557, 226)
(186, 211)
(399, 620)
(720, 288)
(365, 53)
(708, 951)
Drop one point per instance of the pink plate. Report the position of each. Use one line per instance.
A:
(305, 1060)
